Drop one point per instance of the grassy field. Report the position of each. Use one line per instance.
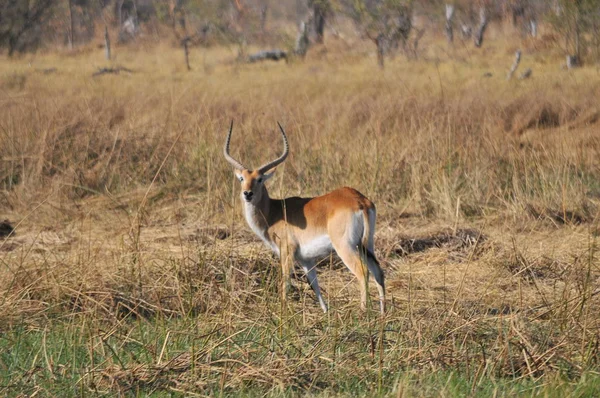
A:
(132, 272)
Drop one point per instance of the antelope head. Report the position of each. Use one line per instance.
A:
(252, 181)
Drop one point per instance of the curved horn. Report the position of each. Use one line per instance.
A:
(231, 160)
(276, 162)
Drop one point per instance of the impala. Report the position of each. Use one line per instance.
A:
(308, 229)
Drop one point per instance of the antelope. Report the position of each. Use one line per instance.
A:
(308, 229)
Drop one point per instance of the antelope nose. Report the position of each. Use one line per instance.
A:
(247, 195)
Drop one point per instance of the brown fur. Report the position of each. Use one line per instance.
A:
(290, 224)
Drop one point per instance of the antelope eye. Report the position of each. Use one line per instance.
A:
(259, 180)
(241, 178)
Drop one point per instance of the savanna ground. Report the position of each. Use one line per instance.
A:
(132, 272)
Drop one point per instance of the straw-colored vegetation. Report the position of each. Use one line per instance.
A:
(131, 270)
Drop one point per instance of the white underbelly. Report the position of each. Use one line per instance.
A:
(318, 247)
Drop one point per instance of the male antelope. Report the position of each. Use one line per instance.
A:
(308, 229)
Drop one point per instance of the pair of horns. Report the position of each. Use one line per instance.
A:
(264, 168)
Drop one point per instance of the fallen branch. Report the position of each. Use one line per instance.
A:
(47, 71)
(114, 71)
(274, 55)
(515, 65)
(526, 74)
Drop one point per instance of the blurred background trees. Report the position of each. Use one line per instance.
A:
(387, 23)
(578, 22)
(22, 23)
(392, 25)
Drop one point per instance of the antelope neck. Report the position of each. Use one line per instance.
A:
(258, 214)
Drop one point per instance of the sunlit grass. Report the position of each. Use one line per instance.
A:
(131, 270)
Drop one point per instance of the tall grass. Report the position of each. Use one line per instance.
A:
(131, 270)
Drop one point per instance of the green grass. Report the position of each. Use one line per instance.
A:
(162, 357)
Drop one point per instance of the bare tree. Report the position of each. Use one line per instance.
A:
(523, 14)
(19, 20)
(387, 23)
(483, 21)
(186, 52)
(106, 44)
(449, 16)
(466, 30)
(302, 41)
(415, 44)
(264, 11)
(578, 22)
(71, 24)
(119, 4)
(515, 65)
(321, 10)
(533, 27)
(180, 30)
(127, 16)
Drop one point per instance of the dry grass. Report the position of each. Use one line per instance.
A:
(131, 269)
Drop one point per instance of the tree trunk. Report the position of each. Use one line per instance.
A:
(481, 29)
(573, 43)
(263, 18)
(517, 11)
(106, 44)
(239, 8)
(572, 61)
(319, 19)
(12, 44)
(120, 13)
(533, 27)
(380, 42)
(135, 14)
(577, 32)
(515, 65)
(449, 15)
(596, 34)
(71, 24)
(418, 37)
(172, 12)
(186, 52)
(557, 8)
(25, 20)
(302, 41)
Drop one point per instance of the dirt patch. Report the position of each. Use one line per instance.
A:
(205, 235)
(521, 118)
(6, 229)
(460, 245)
(524, 114)
(540, 268)
(558, 216)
